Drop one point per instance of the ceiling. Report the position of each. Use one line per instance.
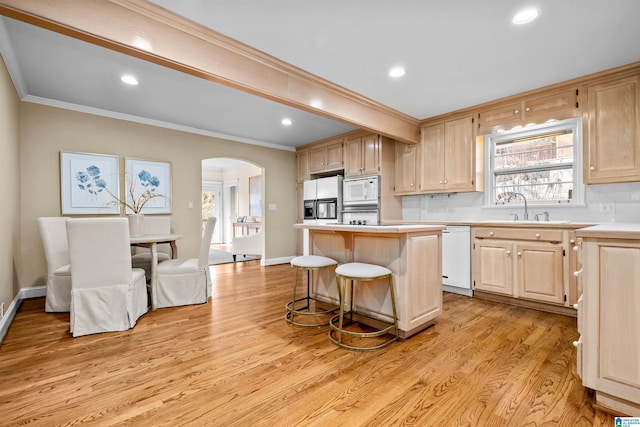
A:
(457, 54)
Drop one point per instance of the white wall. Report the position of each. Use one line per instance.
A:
(468, 206)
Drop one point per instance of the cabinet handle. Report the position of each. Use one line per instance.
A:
(508, 253)
(572, 241)
(576, 248)
(519, 253)
(491, 233)
(575, 306)
(527, 109)
(446, 182)
(516, 112)
(575, 344)
(441, 182)
(577, 273)
(592, 168)
(537, 235)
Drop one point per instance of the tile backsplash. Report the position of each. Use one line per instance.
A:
(624, 198)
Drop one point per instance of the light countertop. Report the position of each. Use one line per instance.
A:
(394, 228)
(617, 230)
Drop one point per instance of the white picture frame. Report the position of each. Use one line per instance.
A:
(156, 178)
(88, 184)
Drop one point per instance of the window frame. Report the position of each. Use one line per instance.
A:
(574, 125)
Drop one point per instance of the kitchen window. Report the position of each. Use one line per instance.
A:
(541, 162)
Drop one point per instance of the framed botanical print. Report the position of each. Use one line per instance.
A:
(147, 186)
(88, 184)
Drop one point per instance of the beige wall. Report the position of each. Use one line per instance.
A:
(10, 187)
(45, 131)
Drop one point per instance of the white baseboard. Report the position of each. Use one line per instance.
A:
(12, 310)
(275, 261)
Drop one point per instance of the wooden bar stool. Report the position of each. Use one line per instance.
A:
(309, 263)
(361, 272)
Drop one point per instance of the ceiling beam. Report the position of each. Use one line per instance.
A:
(191, 48)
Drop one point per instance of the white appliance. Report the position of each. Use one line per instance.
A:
(361, 191)
(322, 203)
(361, 201)
(456, 260)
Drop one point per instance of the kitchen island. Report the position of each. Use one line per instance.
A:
(412, 252)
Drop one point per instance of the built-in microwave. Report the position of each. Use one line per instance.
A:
(361, 191)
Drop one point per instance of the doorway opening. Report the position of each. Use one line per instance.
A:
(232, 191)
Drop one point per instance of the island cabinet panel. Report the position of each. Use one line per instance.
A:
(609, 319)
(415, 259)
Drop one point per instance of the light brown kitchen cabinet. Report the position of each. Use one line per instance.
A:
(612, 132)
(362, 155)
(537, 109)
(405, 167)
(539, 274)
(520, 263)
(302, 161)
(327, 156)
(493, 266)
(299, 217)
(608, 319)
(448, 152)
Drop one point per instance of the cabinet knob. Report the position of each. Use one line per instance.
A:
(519, 253)
(537, 235)
(446, 182)
(527, 109)
(575, 306)
(572, 241)
(491, 233)
(441, 182)
(508, 253)
(516, 112)
(577, 273)
(576, 248)
(575, 343)
(592, 168)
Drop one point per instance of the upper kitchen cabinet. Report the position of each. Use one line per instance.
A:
(535, 109)
(326, 156)
(362, 155)
(405, 167)
(449, 157)
(302, 159)
(612, 131)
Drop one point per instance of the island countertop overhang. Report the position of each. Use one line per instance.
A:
(393, 229)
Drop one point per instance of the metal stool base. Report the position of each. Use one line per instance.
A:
(336, 332)
(293, 312)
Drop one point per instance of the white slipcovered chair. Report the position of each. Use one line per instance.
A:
(185, 281)
(106, 293)
(247, 245)
(152, 224)
(53, 231)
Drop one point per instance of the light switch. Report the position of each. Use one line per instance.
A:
(273, 207)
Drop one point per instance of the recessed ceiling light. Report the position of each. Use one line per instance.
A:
(129, 79)
(397, 72)
(525, 16)
(286, 122)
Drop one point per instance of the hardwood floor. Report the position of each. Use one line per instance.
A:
(235, 362)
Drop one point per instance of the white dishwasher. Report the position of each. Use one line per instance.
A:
(456, 259)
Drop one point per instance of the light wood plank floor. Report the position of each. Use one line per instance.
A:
(235, 362)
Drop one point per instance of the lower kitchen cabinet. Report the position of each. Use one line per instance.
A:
(530, 268)
(608, 321)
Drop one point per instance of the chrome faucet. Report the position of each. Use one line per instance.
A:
(526, 210)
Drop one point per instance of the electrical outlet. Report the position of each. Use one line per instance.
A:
(607, 207)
